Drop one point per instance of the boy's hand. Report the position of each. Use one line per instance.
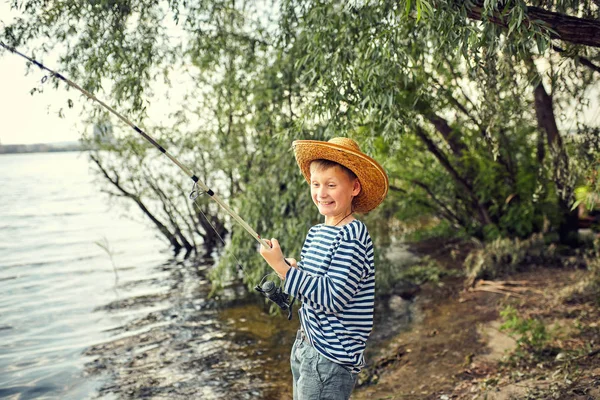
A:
(274, 257)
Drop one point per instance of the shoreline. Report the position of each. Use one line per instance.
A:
(458, 350)
(40, 148)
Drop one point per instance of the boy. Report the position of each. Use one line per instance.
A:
(335, 277)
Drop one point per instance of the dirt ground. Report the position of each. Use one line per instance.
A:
(458, 350)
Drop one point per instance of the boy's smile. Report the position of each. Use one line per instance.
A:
(332, 191)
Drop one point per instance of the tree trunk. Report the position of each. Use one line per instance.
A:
(170, 209)
(545, 116)
(214, 231)
(568, 227)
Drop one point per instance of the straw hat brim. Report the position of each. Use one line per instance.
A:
(372, 177)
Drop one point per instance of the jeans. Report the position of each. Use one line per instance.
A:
(316, 377)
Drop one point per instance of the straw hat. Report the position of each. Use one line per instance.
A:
(373, 179)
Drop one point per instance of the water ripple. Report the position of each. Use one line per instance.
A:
(77, 322)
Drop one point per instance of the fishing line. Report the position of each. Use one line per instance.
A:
(194, 196)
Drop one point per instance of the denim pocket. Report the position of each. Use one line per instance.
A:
(305, 351)
(337, 382)
(328, 371)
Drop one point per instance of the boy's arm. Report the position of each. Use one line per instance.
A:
(338, 286)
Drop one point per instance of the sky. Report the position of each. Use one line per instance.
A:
(26, 119)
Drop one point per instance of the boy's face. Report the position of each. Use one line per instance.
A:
(332, 191)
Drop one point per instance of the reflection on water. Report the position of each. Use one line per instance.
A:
(195, 346)
(53, 275)
(91, 309)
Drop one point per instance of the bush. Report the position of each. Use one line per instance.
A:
(505, 256)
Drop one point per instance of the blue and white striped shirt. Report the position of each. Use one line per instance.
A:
(335, 281)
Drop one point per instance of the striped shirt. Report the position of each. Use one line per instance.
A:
(335, 280)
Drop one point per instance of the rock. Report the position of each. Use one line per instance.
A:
(405, 289)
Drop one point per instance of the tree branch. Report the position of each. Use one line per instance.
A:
(451, 137)
(161, 227)
(170, 208)
(582, 60)
(423, 203)
(455, 101)
(440, 203)
(561, 26)
(441, 157)
(431, 146)
(456, 78)
(397, 189)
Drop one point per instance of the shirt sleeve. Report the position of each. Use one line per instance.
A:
(332, 291)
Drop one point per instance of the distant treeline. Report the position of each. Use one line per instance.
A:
(40, 147)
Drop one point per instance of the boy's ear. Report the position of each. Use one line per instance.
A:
(356, 188)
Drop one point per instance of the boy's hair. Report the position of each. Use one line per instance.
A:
(322, 164)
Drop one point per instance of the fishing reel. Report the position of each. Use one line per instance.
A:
(276, 295)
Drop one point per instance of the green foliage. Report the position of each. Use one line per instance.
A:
(531, 334)
(425, 270)
(588, 195)
(440, 92)
(278, 204)
(456, 130)
(432, 227)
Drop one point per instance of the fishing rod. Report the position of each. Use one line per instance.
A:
(268, 288)
(151, 140)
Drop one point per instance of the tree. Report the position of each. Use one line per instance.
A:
(463, 98)
(463, 102)
(230, 125)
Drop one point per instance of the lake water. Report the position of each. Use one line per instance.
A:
(93, 304)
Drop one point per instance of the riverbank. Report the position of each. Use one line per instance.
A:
(459, 350)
